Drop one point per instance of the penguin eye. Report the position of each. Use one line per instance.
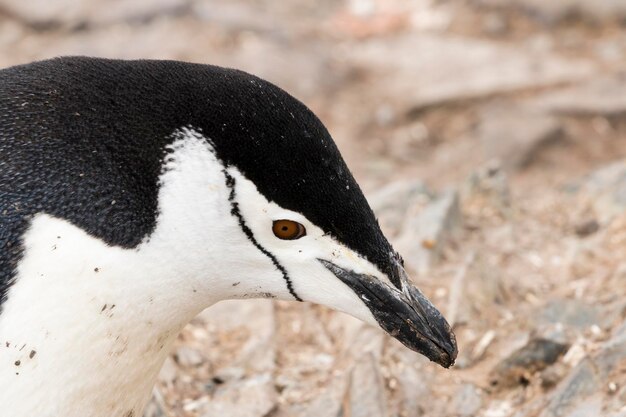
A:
(288, 229)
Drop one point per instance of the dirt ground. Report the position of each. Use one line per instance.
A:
(489, 137)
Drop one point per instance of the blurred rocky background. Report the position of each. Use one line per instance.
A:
(490, 138)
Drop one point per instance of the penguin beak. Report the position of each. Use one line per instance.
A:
(405, 313)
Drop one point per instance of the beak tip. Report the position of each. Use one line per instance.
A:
(447, 353)
(451, 349)
(449, 358)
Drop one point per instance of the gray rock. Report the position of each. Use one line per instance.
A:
(531, 408)
(586, 227)
(616, 401)
(253, 397)
(554, 11)
(368, 340)
(41, 14)
(495, 24)
(169, 372)
(606, 189)
(236, 16)
(154, 410)
(346, 328)
(587, 378)
(258, 354)
(619, 335)
(422, 221)
(413, 382)
(331, 402)
(366, 397)
(582, 382)
(425, 234)
(247, 388)
(415, 388)
(490, 182)
(590, 407)
(519, 367)
(350, 394)
(304, 69)
(600, 97)
(515, 136)
(392, 202)
(470, 356)
(571, 313)
(230, 373)
(429, 75)
(551, 376)
(156, 406)
(188, 357)
(466, 401)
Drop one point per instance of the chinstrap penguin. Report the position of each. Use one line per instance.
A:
(134, 194)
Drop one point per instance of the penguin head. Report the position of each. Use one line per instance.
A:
(308, 261)
(295, 201)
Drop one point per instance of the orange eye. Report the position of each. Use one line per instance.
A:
(288, 229)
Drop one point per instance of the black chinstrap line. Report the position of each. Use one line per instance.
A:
(230, 183)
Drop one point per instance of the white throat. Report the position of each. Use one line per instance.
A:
(86, 327)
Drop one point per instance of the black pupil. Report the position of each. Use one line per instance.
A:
(285, 228)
